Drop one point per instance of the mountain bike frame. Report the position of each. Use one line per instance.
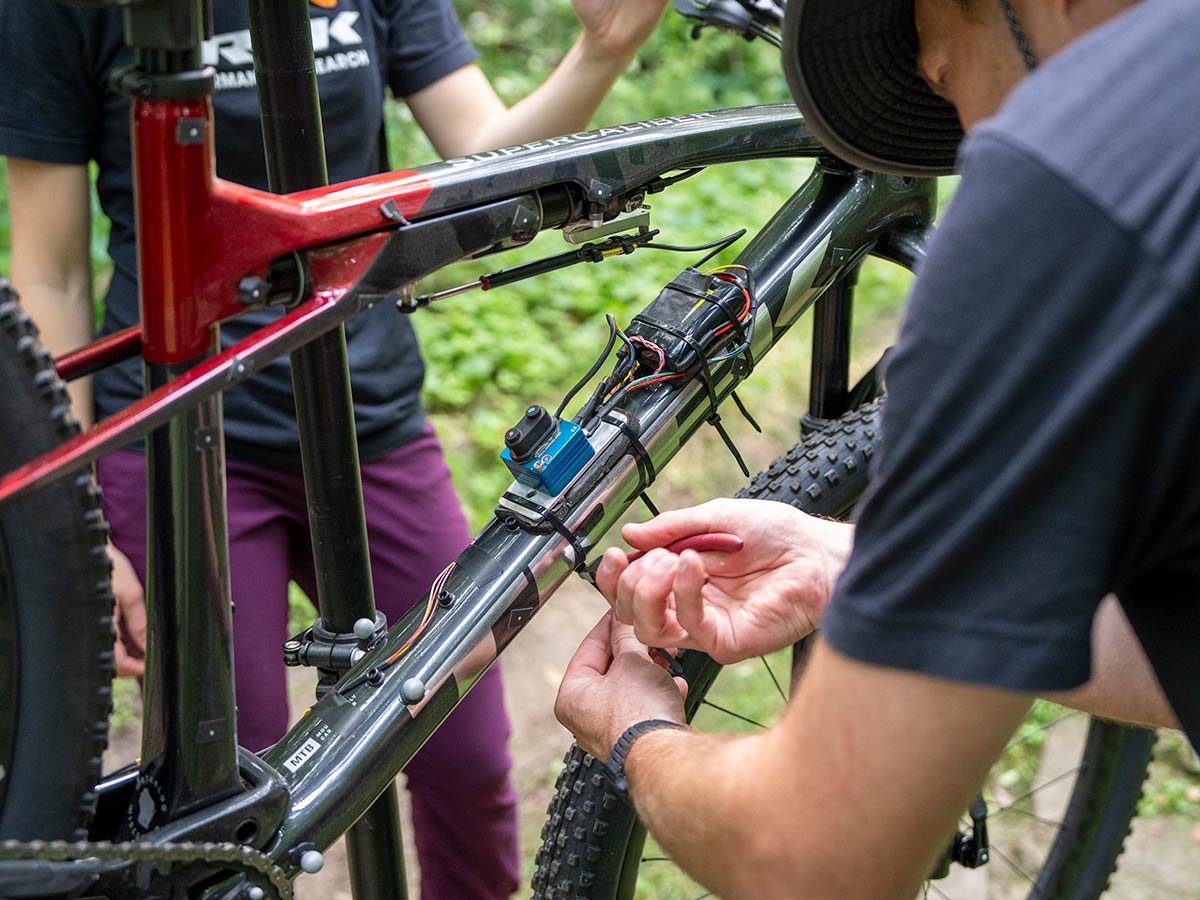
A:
(208, 250)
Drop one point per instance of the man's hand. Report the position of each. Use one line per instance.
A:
(129, 617)
(732, 606)
(610, 684)
(617, 28)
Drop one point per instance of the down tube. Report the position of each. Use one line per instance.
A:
(354, 741)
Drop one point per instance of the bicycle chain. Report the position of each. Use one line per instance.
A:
(248, 861)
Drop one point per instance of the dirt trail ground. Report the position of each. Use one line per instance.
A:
(1162, 860)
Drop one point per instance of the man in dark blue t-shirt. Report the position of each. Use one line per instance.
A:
(1033, 525)
(57, 116)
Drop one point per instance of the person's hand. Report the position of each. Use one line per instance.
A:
(616, 28)
(732, 606)
(129, 617)
(612, 683)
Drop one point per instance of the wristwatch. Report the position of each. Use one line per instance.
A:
(620, 750)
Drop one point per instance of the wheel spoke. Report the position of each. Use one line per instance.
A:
(1013, 865)
(774, 680)
(1028, 794)
(1027, 737)
(730, 712)
(1027, 814)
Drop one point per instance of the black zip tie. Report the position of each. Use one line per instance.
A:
(735, 325)
(645, 464)
(745, 412)
(576, 542)
(715, 421)
(705, 372)
(649, 504)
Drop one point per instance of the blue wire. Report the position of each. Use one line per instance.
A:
(628, 343)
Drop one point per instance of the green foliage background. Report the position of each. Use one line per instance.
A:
(489, 355)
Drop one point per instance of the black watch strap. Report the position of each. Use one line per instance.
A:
(620, 750)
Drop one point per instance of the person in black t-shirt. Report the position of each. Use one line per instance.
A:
(57, 116)
(1033, 523)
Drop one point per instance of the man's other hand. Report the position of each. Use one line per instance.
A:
(612, 683)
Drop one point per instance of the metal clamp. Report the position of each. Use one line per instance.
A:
(324, 649)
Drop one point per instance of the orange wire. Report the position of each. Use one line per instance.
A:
(655, 381)
(426, 618)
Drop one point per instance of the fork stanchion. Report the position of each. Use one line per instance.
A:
(830, 383)
(281, 35)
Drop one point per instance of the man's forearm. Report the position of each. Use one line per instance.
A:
(703, 830)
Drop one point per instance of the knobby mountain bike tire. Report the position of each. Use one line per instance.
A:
(56, 606)
(593, 846)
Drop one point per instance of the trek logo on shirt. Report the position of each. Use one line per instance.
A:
(328, 36)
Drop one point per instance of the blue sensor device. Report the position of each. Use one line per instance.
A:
(562, 451)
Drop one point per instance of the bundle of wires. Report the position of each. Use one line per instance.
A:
(659, 375)
(641, 362)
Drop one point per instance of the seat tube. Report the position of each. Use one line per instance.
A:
(189, 740)
(281, 36)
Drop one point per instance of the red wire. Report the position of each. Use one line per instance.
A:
(742, 315)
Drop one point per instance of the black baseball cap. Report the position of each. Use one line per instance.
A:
(852, 68)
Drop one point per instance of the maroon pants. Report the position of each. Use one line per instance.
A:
(464, 806)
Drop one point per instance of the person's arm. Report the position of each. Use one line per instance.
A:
(462, 114)
(51, 265)
(810, 807)
(773, 592)
(52, 273)
(1123, 685)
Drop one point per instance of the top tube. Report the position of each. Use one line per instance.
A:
(605, 162)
